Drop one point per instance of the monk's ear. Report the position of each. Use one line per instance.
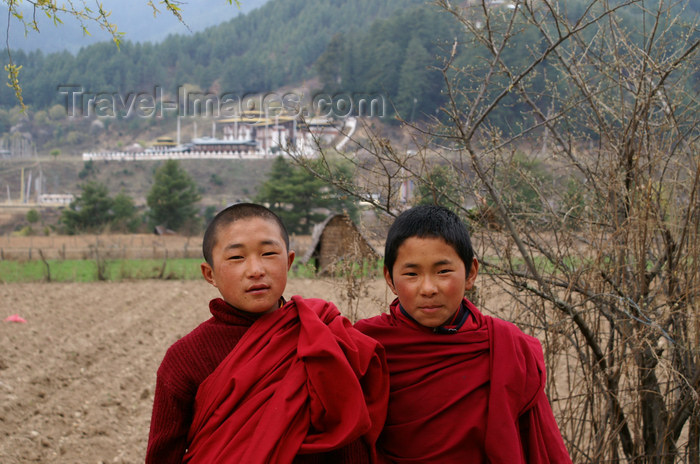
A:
(290, 259)
(471, 277)
(389, 280)
(208, 273)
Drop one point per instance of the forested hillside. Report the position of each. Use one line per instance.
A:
(274, 45)
(396, 57)
(400, 57)
(390, 47)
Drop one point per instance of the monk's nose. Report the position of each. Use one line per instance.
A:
(255, 268)
(428, 287)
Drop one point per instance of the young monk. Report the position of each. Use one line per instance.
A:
(264, 381)
(464, 387)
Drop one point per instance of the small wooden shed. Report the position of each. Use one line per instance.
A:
(338, 238)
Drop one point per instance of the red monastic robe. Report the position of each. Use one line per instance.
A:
(301, 380)
(473, 396)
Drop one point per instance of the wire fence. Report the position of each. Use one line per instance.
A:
(117, 246)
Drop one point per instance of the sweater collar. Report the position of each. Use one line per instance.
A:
(452, 326)
(229, 314)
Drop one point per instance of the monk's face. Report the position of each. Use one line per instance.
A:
(249, 264)
(430, 279)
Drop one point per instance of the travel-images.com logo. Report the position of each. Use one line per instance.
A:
(158, 103)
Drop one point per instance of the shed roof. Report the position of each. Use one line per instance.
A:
(321, 227)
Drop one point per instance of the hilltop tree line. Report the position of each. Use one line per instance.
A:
(394, 58)
(402, 57)
(389, 48)
(272, 46)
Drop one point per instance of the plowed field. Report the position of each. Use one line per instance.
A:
(77, 379)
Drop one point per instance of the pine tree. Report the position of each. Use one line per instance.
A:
(90, 211)
(173, 197)
(299, 198)
(330, 64)
(414, 82)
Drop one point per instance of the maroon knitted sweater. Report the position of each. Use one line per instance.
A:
(186, 364)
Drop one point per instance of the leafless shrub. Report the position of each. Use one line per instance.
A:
(600, 250)
(353, 272)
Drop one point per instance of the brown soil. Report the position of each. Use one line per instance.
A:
(77, 380)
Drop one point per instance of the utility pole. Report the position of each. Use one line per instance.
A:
(21, 186)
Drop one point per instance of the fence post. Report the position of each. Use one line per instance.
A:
(46, 263)
(165, 262)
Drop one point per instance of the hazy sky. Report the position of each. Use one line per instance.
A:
(133, 17)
